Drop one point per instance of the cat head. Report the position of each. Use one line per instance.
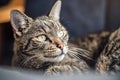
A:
(43, 37)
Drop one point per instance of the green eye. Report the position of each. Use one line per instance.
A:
(60, 34)
(41, 38)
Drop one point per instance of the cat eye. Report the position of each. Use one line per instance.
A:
(60, 34)
(41, 38)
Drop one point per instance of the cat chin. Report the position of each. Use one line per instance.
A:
(56, 59)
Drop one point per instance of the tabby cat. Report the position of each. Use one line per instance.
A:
(42, 44)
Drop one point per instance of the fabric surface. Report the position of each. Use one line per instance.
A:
(80, 17)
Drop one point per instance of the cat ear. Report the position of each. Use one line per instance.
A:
(19, 21)
(55, 11)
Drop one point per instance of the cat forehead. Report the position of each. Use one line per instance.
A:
(47, 21)
(44, 24)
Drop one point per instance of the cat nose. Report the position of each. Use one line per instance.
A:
(60, 46)
(58, 43)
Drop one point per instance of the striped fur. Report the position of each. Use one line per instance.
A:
(109, 60)
(42, 44)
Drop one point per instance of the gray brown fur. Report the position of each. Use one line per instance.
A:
(38, 46)
(92, 41)
(105, 48)
(109, 60)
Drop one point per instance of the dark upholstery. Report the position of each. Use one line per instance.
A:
(80, 17)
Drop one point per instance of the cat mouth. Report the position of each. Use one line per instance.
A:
(54, 56)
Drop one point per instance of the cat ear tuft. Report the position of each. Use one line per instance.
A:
(19, 21)
(55, 11)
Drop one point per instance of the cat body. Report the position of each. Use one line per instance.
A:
(109, 59)
(42, 44)
(105, 48)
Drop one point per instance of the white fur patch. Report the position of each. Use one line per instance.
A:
(56, 59)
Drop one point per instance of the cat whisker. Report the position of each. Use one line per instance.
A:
(81, 53)
(71, 53)
(28, 59)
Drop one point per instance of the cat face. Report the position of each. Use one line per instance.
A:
(44, 37)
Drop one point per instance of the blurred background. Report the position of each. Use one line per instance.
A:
(80, 17)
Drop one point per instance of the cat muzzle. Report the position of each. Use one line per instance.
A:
(55, 54)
